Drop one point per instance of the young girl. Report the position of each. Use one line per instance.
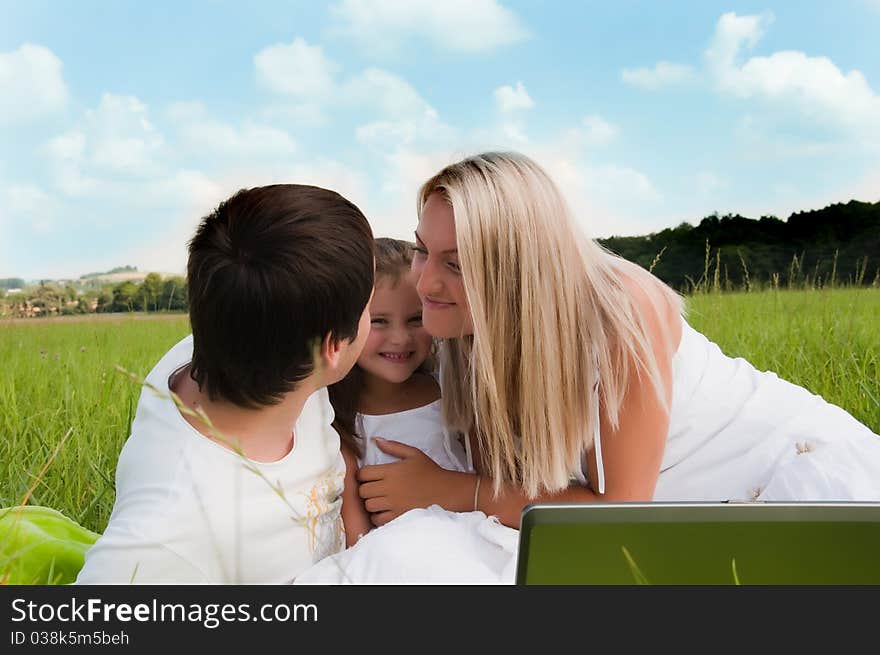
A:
(391, 392)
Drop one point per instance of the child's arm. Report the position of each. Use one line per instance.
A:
(354, 514)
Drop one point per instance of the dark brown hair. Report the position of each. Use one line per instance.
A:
(393, 261)
(271, 272)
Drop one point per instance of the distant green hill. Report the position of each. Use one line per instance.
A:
(12, 283)
(118, 269)
(841, 241)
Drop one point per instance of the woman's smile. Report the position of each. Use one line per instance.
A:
(434, 303)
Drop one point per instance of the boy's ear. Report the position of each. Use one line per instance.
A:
(331, 351)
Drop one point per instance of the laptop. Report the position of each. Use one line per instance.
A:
(697, 543)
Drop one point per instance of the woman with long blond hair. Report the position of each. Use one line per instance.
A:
(572, 375)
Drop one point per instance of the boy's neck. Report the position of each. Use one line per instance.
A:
(264, 434)
(379, 396)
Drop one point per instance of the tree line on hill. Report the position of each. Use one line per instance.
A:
(839, 244)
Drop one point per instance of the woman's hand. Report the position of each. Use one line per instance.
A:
(416, 480)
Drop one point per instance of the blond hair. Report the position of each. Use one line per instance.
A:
(551, 317)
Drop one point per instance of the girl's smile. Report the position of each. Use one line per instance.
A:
(398, 358)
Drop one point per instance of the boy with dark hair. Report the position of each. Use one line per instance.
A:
(279, 280)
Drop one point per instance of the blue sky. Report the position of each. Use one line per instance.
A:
(122, 123)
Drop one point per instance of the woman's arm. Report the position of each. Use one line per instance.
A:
(354, 515)
(415, 481)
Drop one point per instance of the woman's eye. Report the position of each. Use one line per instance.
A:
(454, 266)
(378, 321)
(419, 252)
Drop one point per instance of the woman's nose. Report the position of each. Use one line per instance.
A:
(429, 282)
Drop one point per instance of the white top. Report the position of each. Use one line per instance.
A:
(737, 433)
(189, 510)
(421, 427)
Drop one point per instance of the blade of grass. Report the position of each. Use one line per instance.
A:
(634, 568)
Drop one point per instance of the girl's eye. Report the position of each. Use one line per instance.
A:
(416, 320)
(378, 321)
(454, 266)
(419, 252)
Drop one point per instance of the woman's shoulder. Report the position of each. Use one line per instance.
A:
(659, 306)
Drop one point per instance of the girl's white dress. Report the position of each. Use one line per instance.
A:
(735, 433)
(421, 427)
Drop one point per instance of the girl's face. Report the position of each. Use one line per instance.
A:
(445, 309)
(398, 344)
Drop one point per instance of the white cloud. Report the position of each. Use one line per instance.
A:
(337, 176)
(387, 92)
(731, 33)
(511, 99)
(406, 117)
(792, 82)
(113, 144)
(256, 140)
(186, 111)
(32, 84)
(382, 133)
(122, 137)
(599, 132)
(404, 171)
(28, 208)
(615, 182)
(459, 25)
(663, 74)
(296, 69)
(202, 134)
(192, 188)
(514, 131)
(303, 72)
(387, 135)
(867, 188)
(606, 199)
(68, 147)
(191, 194)
(67, 156)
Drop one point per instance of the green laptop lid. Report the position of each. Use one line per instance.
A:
(700, 544)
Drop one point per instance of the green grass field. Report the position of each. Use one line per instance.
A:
(58, 377)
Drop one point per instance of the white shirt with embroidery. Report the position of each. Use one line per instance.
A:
(189, 510)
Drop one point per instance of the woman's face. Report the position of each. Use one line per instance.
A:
(445, 312)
